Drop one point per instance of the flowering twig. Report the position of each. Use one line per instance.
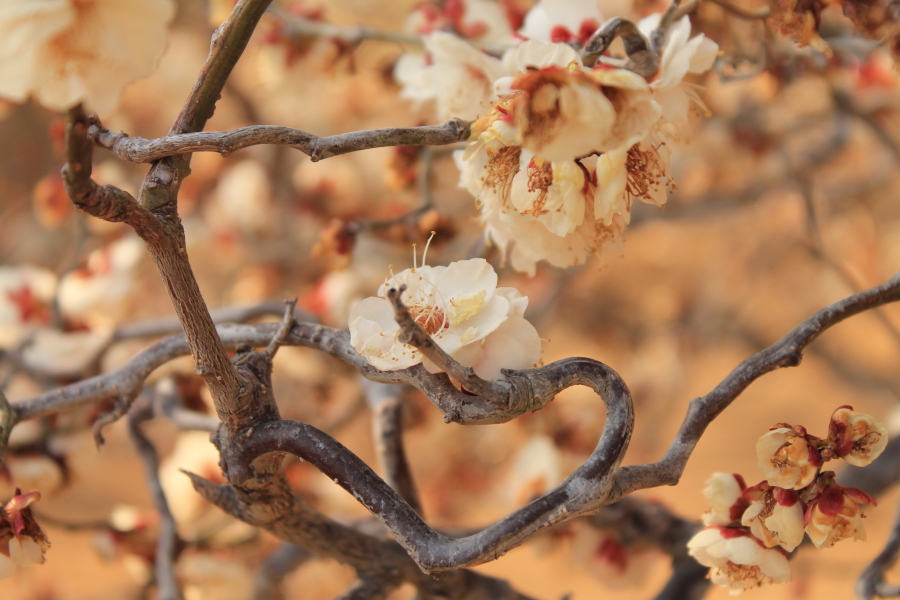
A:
(642, 59)
(387, 425)
(141, 150)
(168, 544)
(787, 352)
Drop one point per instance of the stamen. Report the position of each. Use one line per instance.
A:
(428, 243)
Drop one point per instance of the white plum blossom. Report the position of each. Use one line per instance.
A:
(775, 516)
(95, 291)
(459, 306)
(562, 21)
(26, 294)
(64, 52)
(681, 55)
(563, 111)
(457, 75)
(724, 493)
(856, 437)
(737, 560)
(787, 458)
(834, 515)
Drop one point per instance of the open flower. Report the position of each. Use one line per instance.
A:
(724, 493)
(459, 306)
(775, 516)
(562, 111)
(856, 437)
(787, 458)
(738, 560)
(22, 541)
(65, 52)
(26, 294)
(834, 515)
(459, 76)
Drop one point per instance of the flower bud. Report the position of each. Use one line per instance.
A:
(856, 437)
(834, 515)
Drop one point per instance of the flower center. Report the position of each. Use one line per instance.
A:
(646, 173)
(747, 574)
(502, 166)
(540, 178)
(430, 317)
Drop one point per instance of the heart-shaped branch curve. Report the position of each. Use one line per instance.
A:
(582, 492)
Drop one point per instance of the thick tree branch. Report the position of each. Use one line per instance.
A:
(787, 352)
(141, 150)
(582, 492)
(159, 193)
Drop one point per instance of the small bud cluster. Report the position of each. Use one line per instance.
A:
(751, 529)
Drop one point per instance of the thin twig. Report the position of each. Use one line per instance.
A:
(871, 583)
(141, 150)
(279, 564)
(168, 544)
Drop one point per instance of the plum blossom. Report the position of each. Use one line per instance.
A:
(738, 560)
(457, 75)
(724, 493)
(562, 111)
(460, 306)
(64, 52)
(787, 458)
(562, 21)
(856, 437)
(834, 515)
(681, 55)
(775, 516)
(22, 541)
(26, 295)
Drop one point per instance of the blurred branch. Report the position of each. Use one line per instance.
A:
(352, 35)
(871, 583)
(168, 544)
(228, 314)
(787, 352)
(167, 403)
(141, 150)
(750, 15)
(7, 420)
(387, 426)
(279, 564)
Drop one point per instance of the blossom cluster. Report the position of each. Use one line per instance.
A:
(462, 309)
(751, 529)
(560, 149)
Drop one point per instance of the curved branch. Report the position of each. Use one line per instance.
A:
(582, 492)
(642, 59)
(142, 150)
(787, 352)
